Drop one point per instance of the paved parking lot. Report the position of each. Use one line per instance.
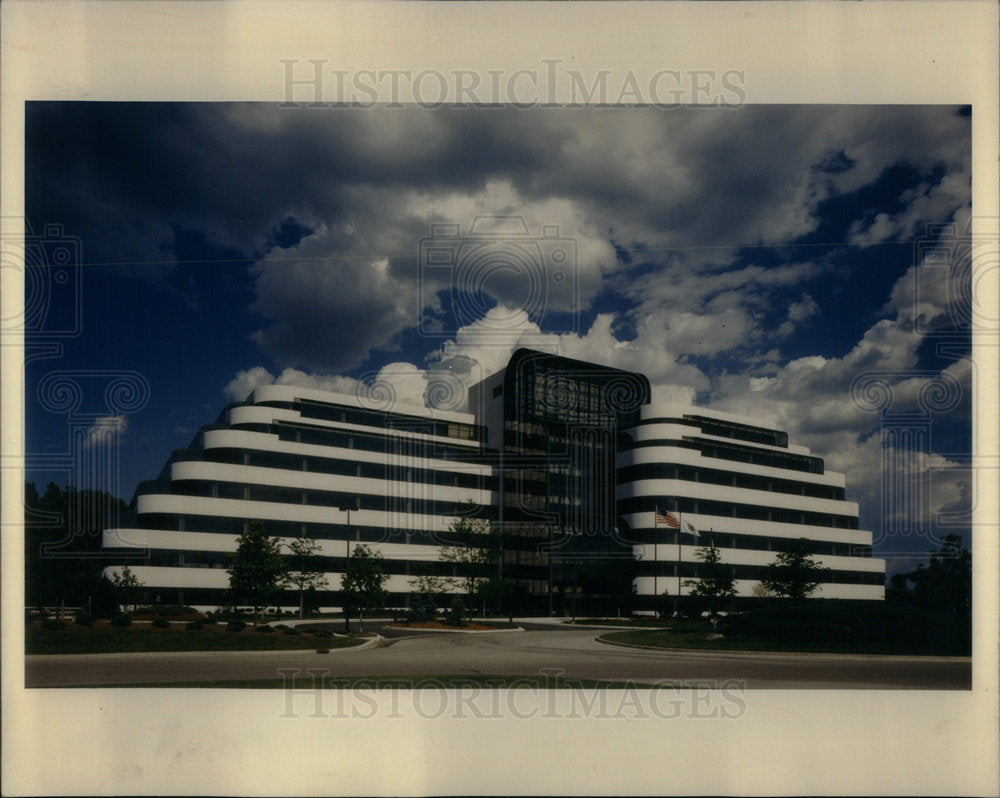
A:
(539, 649)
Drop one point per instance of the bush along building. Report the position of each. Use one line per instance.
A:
(602, 500)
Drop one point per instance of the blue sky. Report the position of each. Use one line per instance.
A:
(759, 260)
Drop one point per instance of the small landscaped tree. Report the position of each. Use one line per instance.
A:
(257, 572)
(793, 574)
(305, 568)
(474, 549)
(362, 586)
(127, 589)
(714, 585)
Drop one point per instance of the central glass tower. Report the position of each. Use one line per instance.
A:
(556, 423)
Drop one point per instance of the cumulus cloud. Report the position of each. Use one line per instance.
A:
(682, 192)
(930, 203)
(241, 386)
(914, 497)
(105, 431)
(709, 309)
(483, 348)
(394, 383)
(798, 312)
(839, 406)
(824, 404)
(315, 298)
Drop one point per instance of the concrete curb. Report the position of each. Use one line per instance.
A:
(371, 643)
(616, 628)
(454, 631)
(735, 652)
(376, 640)
(600, 639)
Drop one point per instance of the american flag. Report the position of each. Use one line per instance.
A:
(667, 518)
(690, 528)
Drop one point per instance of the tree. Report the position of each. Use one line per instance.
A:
(362, 585)
(305, 569)
(423, 605)
(310, 601)
(103, 601)
(714, 584)
(456, 613)
(944, 583)
(257, 572)
(759, 591)
(127, 589)
(898, 590)
(62, 543)
(474, 550)
(793, 574)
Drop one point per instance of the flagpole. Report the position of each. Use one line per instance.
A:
(680, 526)
(656, 560)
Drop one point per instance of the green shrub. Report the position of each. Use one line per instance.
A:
(83, 620)
(866, 622)
(265, 629)
(456, 615)
(53, 625)
(235, 626)
(291, 630)
(319, 633)
(421, 609)
(122, 620)
(161, 623)
(683, 627)
(193, 625)
(165, 610)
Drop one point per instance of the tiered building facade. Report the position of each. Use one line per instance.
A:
(743, 488)
(305, 462)
(569, 459)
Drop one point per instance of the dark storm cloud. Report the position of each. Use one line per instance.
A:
(675, 189)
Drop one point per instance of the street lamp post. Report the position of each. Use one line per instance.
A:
(347, 506)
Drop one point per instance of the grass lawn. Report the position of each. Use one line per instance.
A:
(102, 638)
(666, 638)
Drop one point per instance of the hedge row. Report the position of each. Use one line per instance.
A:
(829, 620)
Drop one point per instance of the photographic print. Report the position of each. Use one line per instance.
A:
(465, 398)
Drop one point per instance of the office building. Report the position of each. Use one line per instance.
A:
(572, 461)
